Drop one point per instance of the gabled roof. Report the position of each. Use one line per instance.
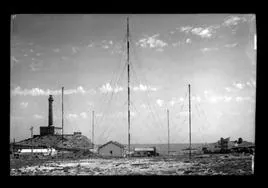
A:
(113, 142)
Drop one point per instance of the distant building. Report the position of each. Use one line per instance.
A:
(145, 152)
(112, 148)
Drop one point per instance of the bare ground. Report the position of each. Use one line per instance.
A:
(176, 165)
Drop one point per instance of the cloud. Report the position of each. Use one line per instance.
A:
(233, 20)
(228, 89)
(31, 50)
(208, 49)
(152, 42)
(238, 85)
(38, 54)
(41, 92)
(83, 115)
(196, 98)
(227, 99)
(90, 45)
(36, 65)
(14, 59)
(175, 101)
(105, 46)
(241, 99)
(188, 41)
(108, 88)
(160, 102)
(37, 116)
(215, 98)
(186, 29)
(72, 116)
(142, 87)
(203, 32)
(75, 49)
(23, 104)
(230, 45)
(56, 50)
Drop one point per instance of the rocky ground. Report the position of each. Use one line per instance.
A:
(179, 165)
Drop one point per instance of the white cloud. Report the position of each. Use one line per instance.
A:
(142, 87)
(144, 106)
(196, 98)
(176, 100)
(35, 66)
(83, 115)
(75, 49)
(99, 115)
(37, 116)
(90, 45)
(212, 97)
(108, 88)
(105, 46)
(227, 99)
(230, 45)
(203, 32)
(31, 50)
(183, 113)
(14, 59)
(72, 116)
(41, 92)
(160, 102)
(208, 49)
(186, 29)
(238, 85)
(38, 54)
(228, 89)
(241, 99)
(233, 20)
(56, 50)
(188, 41)
(25, 55)
(23, 104)
(152, 42)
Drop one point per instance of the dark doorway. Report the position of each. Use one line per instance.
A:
(111, 152)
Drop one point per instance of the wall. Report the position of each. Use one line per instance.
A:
(105, 151)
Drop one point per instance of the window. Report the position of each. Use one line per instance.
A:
(111, 152)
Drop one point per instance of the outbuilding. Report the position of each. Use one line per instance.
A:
(112, 149)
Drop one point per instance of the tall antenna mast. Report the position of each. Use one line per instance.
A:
(168, 128)
(62, 113)
(189, 120)
(93, 129)
(128, 89)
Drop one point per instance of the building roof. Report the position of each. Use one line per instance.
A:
(113, 142)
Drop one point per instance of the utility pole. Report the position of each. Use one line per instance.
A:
(128, 88)
(93, 129)
(168, 128)
(62, 113)
(31, 129)
(190, 121)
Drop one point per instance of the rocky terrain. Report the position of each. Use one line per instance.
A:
(180, 165)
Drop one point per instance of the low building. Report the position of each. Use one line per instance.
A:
(112, 149)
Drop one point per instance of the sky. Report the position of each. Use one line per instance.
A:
(86, 54)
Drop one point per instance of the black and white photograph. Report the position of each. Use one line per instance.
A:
(132, 94)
